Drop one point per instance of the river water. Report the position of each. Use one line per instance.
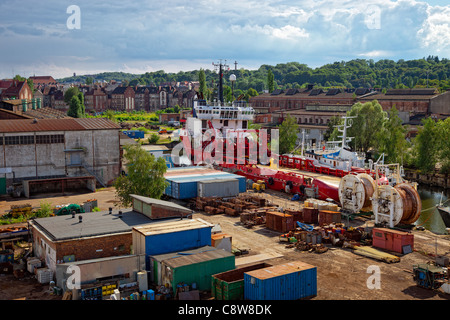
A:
(430, 218)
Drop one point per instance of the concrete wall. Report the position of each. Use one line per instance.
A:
(101, 155)
(441, 104)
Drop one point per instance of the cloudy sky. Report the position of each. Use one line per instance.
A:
(172, 35)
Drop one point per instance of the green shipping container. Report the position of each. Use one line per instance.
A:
(229, 285)
(196, 268)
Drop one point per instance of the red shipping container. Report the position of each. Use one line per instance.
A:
(392, 240)
(310, 215)
(279, 221)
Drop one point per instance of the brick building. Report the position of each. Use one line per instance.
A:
(100, 234)
(96, 100)
(122, 99)
(15, 89)
(142, 99)
(412, 101)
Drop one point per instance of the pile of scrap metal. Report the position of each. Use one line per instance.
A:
(18, 210)
(232, 207)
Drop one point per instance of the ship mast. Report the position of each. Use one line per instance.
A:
(221, 67)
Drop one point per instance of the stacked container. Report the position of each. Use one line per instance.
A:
(310, 215)
(279, 221)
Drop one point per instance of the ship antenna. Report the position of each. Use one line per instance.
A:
(221, 67)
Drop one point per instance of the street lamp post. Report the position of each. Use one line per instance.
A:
(232, 79)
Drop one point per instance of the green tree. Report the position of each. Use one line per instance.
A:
(72, 91)
(30, 84)
(369, 119)
(154, 138)
(202, 81)
(426, 146)
(443, 140)
(145, 175)
(89, 81)
(76, 106)
(391, 138)
(109, 114)
(250, 93)
(288, 135)
(334, 121)
(270, 81)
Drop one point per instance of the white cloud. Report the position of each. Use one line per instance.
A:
(167, 35)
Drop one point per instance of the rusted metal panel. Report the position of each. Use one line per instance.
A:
(329, 217)
(279, 221)
(69, 124)
(310, 215)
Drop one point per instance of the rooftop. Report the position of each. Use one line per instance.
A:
(94, 224)
(66, 124)
(172, 226)
(168, 204)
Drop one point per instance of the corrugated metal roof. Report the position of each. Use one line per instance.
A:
(172, 226)
(163, 203)
(197, 258)
(93, 224)
(279, 270)
(176, 254)
(69, 124)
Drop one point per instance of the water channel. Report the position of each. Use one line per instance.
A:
(430, 218)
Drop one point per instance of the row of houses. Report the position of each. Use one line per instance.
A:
(99, 97)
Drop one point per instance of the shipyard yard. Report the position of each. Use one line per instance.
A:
(341, 274)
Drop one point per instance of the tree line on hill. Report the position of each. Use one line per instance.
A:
(366, 73)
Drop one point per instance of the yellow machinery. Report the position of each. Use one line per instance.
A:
(259, 186)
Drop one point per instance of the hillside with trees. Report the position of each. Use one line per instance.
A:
(384, 74)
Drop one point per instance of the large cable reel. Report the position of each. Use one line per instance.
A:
(401, 203)
(355, 192)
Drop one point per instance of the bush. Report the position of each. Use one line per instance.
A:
(154, 138)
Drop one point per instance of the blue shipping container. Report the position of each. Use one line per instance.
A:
(171, 236)
(291, 281)
(185, 187)
(135, 134)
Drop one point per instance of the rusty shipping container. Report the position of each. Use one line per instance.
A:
(310, 215)
(279, 221)
(329, 217)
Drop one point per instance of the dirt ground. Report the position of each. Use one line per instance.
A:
(341, 274)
